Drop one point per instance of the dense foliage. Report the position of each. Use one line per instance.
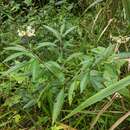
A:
(65, 64)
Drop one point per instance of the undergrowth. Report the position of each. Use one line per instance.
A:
(65, 64)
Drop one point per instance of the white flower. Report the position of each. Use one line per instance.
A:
(30, 31)
(117, 95)
(21, 33)
(120, 39)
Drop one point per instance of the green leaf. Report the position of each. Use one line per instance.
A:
(126, 5)
(57, 106)
(99, 50)
(44, 44)
(101, 95)
(16, 48)
(68, 31)
(35, 70)
(96, 80)
(18, 77)
(73, 86)
(62, 28)
(55, 33)
(12, 100)
(15, 68)
(42, 93)
(104, 55)
(123, 55)
(21, 49)
(29, 104)
(75, 55)
(110, 74)
(28, 2)
(84, 82)
(15, 55)
(125, 92)
(17, 118)
(4, 124)
(92, 5)
(55, 68)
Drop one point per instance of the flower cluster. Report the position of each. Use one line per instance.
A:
(29, 32)
(120, 39)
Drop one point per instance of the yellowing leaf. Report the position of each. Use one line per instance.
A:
(17, 118)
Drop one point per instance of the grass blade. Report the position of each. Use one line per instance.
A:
(101, 95)
(104, 30)
(92, 5)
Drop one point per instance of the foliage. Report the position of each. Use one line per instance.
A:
(62, 61)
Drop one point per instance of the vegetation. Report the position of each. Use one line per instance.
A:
(65, 65)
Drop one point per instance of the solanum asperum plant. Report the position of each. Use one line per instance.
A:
(26, 33)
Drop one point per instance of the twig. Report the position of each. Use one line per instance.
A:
(102, 111)
(120, 120)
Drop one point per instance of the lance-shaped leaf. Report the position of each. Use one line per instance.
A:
(84, 82)
(101, 95)
(45, 44)
(35, 70)
(73, 86)
(68, 31)
(57, 106)
(55, 69)
(16, 67)
(13, 56)
(55, 32)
